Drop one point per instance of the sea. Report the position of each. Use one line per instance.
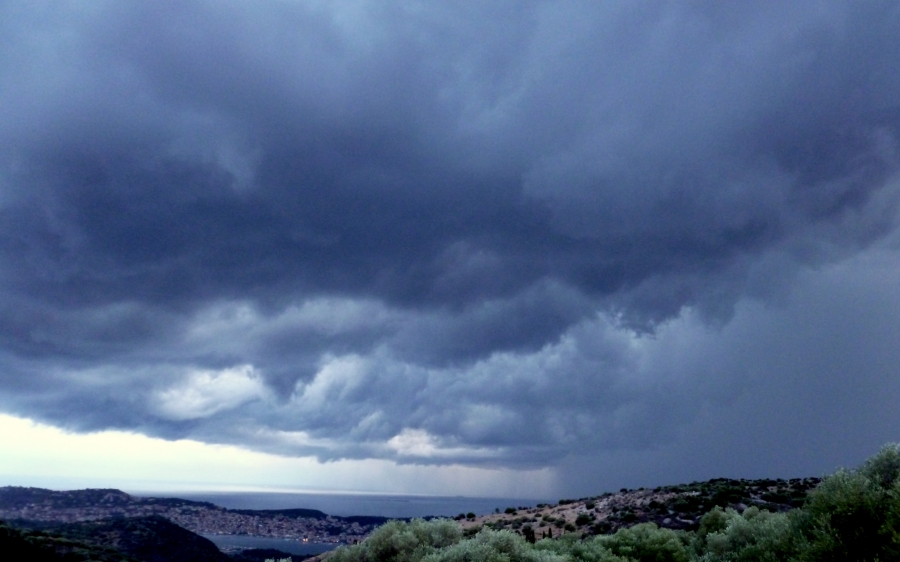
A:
(394, 506)
(391, 506)
(235, 543)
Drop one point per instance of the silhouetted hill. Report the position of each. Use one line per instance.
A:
(148, 539)
(39, 546)
(290, 513)
(16, 497)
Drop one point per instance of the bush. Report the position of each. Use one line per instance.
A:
(646, 541)
(398, 541)
(855, 515)
(576, 550)
(493, 546)
(754, 536)
(883, 469)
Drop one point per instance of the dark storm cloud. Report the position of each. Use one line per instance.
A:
(420, 232)
(815, 387)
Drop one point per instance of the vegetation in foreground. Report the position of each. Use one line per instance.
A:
(851, 516)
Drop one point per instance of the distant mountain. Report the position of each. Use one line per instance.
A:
(16, 497)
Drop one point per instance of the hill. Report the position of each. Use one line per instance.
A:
(49, 506)
(38, 546)
(148, 539)
(672, 507)
(852, 515)
(139, 539)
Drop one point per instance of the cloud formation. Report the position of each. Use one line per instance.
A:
(496, 235)
(205, 393)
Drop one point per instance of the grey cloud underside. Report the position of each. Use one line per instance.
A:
(473, 203)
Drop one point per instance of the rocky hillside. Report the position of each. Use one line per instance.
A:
(673, 507)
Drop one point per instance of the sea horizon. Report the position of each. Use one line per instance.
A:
(346, 504)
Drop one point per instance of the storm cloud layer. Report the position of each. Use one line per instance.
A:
(500, 235)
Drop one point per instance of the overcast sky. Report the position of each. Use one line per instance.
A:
(529, 247)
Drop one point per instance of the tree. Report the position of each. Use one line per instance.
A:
(855, 515)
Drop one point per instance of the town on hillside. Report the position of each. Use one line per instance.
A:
(40, 505)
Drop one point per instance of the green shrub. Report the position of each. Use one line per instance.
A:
(754, 536)
(493, 546)
(579, 551)
(397, 541)
(682, 505)
(855, 515)
(883, 469)
(472, 531)
(647, 542)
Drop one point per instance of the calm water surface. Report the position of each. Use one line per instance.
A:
(228, 543)
(361, 504)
